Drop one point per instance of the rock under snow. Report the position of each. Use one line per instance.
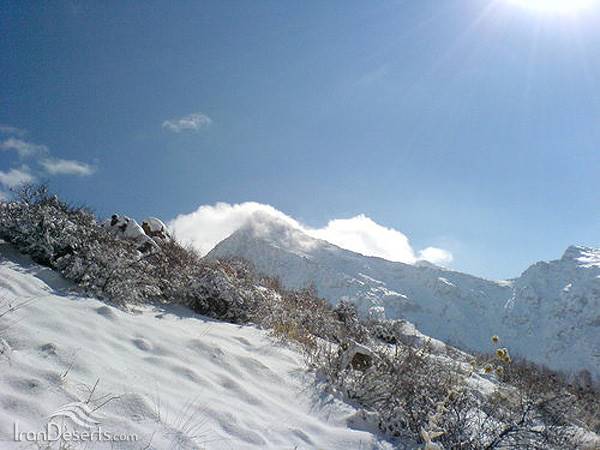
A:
(124, 227)
(358, 357)
(155, 228)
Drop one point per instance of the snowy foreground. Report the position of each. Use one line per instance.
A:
(172, 378)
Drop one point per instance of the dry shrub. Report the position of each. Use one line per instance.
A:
(291, 332)
(416, 394)
(303, 316)
(580, 400)
(402, 386)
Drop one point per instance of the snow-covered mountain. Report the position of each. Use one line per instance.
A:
(555, 306)
(550, 314)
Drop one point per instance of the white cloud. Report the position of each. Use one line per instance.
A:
(41, 154)
(3, 196)
(16, 177)
(436, 256)
(362, 235)
(208, 225)
(7, 129)
(23, 148)
(191, 122)
(55, 166)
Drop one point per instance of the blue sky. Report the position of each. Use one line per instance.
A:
(469, 125)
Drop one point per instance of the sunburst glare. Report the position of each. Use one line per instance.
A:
(556, 6)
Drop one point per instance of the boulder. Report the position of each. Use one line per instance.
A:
(358, 357)
(124, 227)
(155, 228)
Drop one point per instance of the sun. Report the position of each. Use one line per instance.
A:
(556, 6)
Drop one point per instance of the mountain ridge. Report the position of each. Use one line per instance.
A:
(548, 313)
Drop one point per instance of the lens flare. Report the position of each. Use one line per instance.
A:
(556, 6)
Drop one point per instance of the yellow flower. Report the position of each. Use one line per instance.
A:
(488, 368)
(495, 339)
(503, 355)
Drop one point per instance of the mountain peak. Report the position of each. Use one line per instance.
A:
(278, 232)
(425, 263)
(581, 255)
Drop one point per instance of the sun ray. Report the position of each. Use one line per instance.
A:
(555, 6)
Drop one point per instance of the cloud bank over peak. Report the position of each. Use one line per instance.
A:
(436, 255)
(363, 235)
(210, 224)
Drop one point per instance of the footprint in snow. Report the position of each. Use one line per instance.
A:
(106, 312)
(142, 344)
(49, 349)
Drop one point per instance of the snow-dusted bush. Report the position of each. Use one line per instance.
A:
(347, 314)
(103, 261)
(303, 316)
(562, 398)
(69, 240)
(402, 386)
(417, 395)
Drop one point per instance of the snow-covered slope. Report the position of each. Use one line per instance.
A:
(555, 307)
(551, 314)
(179, 380)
